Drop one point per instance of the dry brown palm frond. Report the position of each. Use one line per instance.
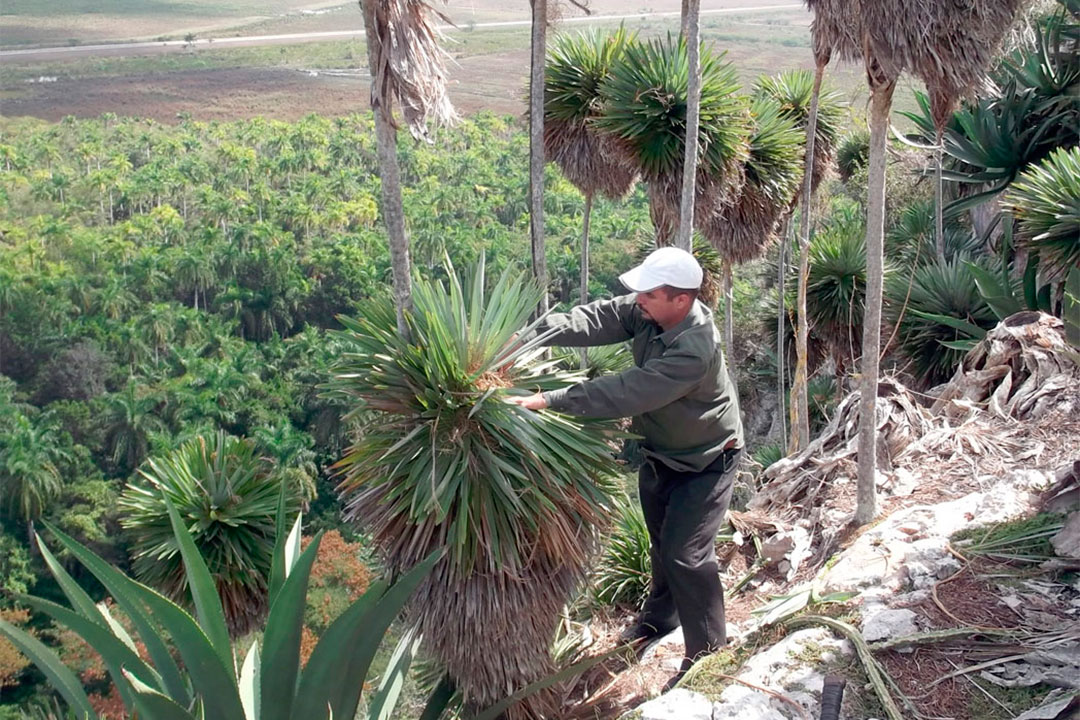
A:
(587, 158)
(1023, 369)
(409, 63)
(949, 45)
(835, 30)
(743, 231)
(711, 195)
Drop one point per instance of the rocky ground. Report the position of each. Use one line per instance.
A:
(930, 612)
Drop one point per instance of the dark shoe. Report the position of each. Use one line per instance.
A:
(677, 677)
(642, 633)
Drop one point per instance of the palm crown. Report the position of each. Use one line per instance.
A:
(442, 459)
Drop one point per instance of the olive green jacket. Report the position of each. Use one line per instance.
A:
(678, 392)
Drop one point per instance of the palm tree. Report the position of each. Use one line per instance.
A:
(836, 287)
(949, 47)
(742, 230)
(442, 460)
(576, 67)
(645, 104)
(935, 311)
(538, 48)
(29, 473)
(227, 495)
(406, 62)
(690, 26)
(130, 420)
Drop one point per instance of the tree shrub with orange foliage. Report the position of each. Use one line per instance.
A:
(12, 662)
(338, 578)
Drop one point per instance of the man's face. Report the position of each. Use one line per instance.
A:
(664, 311)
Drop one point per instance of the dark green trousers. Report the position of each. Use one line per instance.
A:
(683, 511)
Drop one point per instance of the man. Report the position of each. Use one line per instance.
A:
(686, 410)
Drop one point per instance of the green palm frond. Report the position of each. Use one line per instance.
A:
(623, 574)
(1046, 201)
(943, 308)
(911, 238)
(599, 360)
(793, 91)
(836, 287)
(766, 455)
(228, 496)
(576, 67)
(776, 152)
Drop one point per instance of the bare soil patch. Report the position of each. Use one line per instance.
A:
(240, 93)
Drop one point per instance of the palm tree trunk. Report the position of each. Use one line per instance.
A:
(690, 25)
(536, 147)
(30, 538)
(800, 406)
(880, 104)
(939, 197)
(584, 294)
(781, 351)
(390, 176)
(729, 325)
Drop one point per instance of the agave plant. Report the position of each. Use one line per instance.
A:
(443, 461)
(227, 495)
(938, 313)
(189, 670)
(1046, 201)
(644, 110)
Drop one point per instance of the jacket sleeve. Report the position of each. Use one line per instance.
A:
(657, 383)
(603, 322)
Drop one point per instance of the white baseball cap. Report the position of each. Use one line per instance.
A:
(666, 266)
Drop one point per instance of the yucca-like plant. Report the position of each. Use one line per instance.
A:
(836, 286)
(938, 313)
(443, 461)
(742, 230)
(793, 90)
(227, 495)
(1046, 201)
(599, 360)
(644, 110)
(623, 575)
(853, 152)
(911, 238)
(189, 670)
(766, 455)
(576, 67)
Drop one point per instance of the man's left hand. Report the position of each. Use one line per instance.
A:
(529, 402)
